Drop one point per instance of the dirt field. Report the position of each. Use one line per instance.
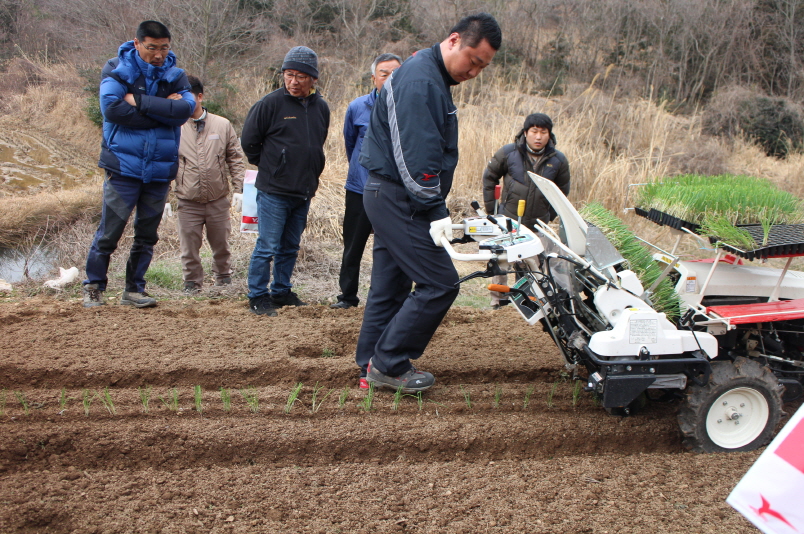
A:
(76, 464)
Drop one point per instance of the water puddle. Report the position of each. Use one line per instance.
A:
(39, 263)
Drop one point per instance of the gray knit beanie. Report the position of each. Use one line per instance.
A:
(302, 59)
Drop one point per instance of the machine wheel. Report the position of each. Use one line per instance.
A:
(736, 411)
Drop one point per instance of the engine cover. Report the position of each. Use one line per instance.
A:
(636, 328)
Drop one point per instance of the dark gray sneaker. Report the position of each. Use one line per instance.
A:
(225, 281)
(262, 305)
(93, 296)
(191, 288)
(287, 299)
(412, 381)
(138, 300)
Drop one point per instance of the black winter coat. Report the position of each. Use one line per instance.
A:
(284, 137)
(511, 163)
(413, 133)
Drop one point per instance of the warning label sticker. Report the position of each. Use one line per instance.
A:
(643, 331)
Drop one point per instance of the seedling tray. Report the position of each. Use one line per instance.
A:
(784, 240)
(665, 219)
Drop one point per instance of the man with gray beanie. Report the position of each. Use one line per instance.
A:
(284, 136)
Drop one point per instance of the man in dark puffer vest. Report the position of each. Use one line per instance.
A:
(144, 99)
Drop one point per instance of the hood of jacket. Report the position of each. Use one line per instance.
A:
(131, 66)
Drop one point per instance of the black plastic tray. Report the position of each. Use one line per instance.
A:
(664, 219)
(783, 240)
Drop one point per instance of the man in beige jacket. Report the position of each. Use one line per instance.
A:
(209, 156)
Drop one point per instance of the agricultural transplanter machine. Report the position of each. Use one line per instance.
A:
(731, 355)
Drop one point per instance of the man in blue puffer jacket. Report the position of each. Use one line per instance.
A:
(356, 226)
(144, 99)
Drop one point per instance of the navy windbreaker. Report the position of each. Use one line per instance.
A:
(413, 134)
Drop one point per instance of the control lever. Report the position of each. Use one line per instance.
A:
(527, 300)
(492, 269)
(476, 206)
(494, 221)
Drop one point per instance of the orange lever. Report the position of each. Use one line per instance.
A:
(499, 288)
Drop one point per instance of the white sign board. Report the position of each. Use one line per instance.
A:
(771, 494)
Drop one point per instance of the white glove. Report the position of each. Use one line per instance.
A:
(237, 201)
(167, 212)
(439, 229)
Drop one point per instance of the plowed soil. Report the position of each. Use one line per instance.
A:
(92, 440)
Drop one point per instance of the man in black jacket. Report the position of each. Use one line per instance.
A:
(533, 150)
(411, 151)
(284, 136)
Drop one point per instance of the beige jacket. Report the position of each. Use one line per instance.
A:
(204, 159)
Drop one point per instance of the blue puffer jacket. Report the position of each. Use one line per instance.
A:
(358, 115)
(142, 141)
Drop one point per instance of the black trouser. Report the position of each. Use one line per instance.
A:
(120, 197)
(398, 323)
(356, 231)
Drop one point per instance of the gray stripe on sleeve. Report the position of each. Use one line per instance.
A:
(410, 184)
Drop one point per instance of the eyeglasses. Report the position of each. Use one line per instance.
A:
(301, 78)
(152, 48)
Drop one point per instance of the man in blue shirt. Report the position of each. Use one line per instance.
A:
(356, 225)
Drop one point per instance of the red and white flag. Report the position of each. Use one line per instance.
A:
(771, 494)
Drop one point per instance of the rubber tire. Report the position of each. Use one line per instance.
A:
(726, 376)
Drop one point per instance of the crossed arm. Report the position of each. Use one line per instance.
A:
(143, 111)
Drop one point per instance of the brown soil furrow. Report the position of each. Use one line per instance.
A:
(179, 442)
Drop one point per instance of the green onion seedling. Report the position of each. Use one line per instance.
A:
(21, 397)
(293, 397)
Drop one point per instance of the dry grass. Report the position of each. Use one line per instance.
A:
(610, 143)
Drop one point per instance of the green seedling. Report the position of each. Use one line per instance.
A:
(316, 404)
(86, 400)
(368, 400)
(397, 398)
(21, 397)
(106, 399)
(226, 398)
(576, 393)
(172, 403)
(419, 400)
(62, 399)
(3, 402)
(197, 398)
(252, 399)
(552, 394)
(497, 395)
(466, 397)
(639, 258)
(293, 397)
(528, 394)
(328, 353)
(145, 397)
(343, 396)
